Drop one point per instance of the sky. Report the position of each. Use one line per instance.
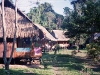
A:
(58, 5)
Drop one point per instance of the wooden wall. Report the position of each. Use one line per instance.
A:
(16, 54)
(9, 48)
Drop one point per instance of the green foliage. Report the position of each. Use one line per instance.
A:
(26, 71)
(91, 11)
(68, 64)
(67, 11)
(88, 22)
(93, 50)
(46, 16)
(88, 70)
(74, 25)
(57, 47)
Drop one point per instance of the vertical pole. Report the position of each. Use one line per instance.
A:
(14, 39)
(16, 14)
(4, 34)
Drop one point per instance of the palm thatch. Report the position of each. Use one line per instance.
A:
(59, 35)
(25, 27)
(47, 35)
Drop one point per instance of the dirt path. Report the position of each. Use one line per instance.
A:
(22, 66)
(56, 71)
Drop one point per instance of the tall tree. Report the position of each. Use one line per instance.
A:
(59, 20)
(86, 23)
(91, 11)
(50, 18)
(4, 35)
(67, 11)
(74, 24)
(45, 15)
(7, 62)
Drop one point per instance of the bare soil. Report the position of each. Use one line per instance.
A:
(22, 64)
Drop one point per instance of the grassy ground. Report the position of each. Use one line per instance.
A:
(63, 63)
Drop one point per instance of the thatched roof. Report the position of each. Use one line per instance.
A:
(47, 35)
(59, 35)
(25, 27)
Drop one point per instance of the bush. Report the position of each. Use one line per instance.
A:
(93, 50)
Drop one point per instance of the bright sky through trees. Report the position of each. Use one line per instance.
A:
(58, 5)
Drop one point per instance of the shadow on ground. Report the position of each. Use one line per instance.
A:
(17, 72)
(63, 61)
(66, 61)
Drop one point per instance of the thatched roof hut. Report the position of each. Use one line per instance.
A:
(25, 27)
(47, 35)
(59, 35)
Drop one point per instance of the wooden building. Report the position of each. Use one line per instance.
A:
(26, 31)
(51, 39)
(60, 37)
(48, 40)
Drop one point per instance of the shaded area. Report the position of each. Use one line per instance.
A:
(13, 61)
(25, 70)
(16, 72)
(57, 63)
(67, 62)
(63, 61)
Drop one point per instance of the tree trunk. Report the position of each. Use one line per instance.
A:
(14, 39)
(77, 42)
(4, 34)
(77, 48)
(7, 66)
(4, 38)
(55, 52)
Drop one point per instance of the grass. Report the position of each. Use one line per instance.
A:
(30, 71)
(63, 63)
